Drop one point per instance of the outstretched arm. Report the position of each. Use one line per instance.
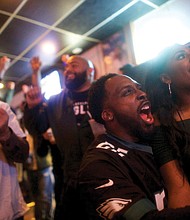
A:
(36, 71)
(4, 65)
(34, 111)
(12, 138)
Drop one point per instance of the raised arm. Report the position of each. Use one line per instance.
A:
(12, 138)
(4, 65)
(36, 71)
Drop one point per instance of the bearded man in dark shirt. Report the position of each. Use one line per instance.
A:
(118, 177)
(68, 116)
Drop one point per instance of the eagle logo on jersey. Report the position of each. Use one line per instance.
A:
(107, 146)
(108, 208)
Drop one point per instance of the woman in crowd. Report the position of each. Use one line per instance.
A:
(168, 87)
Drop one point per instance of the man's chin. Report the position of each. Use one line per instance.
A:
(148, 132)
(74, 85)
(70, 86)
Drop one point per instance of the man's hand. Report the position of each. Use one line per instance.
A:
(35, 64)
(34, 97)
(36, 75)
(4, 129)
(48, 135)
(4, 65)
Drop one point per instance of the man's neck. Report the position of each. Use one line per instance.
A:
(122, 135)
(84, 87)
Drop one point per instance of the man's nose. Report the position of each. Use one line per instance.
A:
(142, 95)
(67, 70)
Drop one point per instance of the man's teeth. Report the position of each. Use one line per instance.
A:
(145, 107)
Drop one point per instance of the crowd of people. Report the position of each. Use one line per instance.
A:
(13, 149)
(117, 149)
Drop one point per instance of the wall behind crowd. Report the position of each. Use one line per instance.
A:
(113, 53)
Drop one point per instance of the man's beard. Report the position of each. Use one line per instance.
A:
(77, 82)
(145, 135)
(139, 130)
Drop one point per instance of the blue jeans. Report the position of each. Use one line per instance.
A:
(42, 187)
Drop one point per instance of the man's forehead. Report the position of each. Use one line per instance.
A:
(117, 80)
(117, 83)
(76, 59)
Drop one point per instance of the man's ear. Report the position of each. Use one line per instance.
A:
(165, 78)
(90, 72)
(107, 115)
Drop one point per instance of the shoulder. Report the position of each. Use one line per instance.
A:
(56, 98)
(4, 105)
(107, 148)
(101, 143)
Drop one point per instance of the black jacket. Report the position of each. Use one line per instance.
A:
(71, 140)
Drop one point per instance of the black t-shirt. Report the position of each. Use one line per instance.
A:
(80, 105)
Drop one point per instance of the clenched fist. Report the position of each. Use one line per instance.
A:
(34, 97)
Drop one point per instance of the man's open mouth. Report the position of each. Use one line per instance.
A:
(145, 113)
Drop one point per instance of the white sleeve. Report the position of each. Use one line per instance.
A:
(13, 122)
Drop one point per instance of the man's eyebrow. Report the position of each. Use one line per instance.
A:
(120, 89)
(138, 85)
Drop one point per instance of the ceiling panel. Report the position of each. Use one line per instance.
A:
(18, 36)
(9, 5)
(91, 13)
(26, 24)
(47, 11)
(158, 2)
(3, 19)
(59, 40)
(135, 11)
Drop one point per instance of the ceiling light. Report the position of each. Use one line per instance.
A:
(77, 50)
(1, 85)
(48, 47)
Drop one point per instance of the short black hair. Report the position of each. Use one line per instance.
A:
(96, 97)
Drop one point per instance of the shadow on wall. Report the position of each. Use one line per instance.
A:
(138, 72)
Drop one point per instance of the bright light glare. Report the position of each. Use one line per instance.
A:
(47, 52)
(73, 39)
(1, 85)
(77, 50)
(156, 34)
(51, 84)
(48, 47)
